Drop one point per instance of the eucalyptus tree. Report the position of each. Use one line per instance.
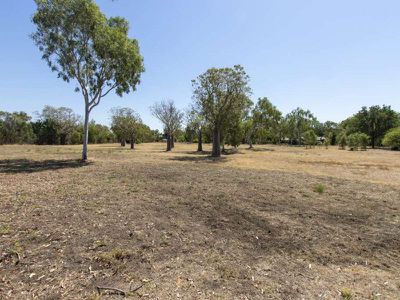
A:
(80, 43)
(126, 124)
(298, 122)
(171, 118)
(266, 118)
(221, 95)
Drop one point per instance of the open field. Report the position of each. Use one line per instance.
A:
(270, 223)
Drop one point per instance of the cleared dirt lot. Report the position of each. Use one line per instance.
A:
(183, 226)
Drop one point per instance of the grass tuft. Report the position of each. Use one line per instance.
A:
(320, 189)
(346, 294)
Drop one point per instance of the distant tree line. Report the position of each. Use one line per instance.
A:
(222, 113)
(61, 126)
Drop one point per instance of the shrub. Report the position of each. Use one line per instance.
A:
(363, 140)
(352, 141)
(342, 141)
(358, 140)
(392, 139)
(310, 138)
(328, 139)
(320, 189)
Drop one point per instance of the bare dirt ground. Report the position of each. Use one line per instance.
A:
(270, 223)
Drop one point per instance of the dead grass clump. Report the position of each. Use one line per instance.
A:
(114, 256)
(5, 229)
(346, 294)
(227, 271)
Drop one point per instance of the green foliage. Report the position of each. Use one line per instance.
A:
(144, 134)
(221, 97)
(392, 139)
(342, 141)
(46, 132)
(358, 140)
(374, 121)
(328, 139)
(100, 134)
(234, 134)
(298, 122)
(320, 189)
(15, 128)
(331, 130)
(125, 123)
(363, 141)
(266, 121)
(80, 43)
(56, 125)
(310, 138)
(352, 141)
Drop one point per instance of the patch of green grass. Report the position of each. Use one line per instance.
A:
(320, 189)
(5, 229)
(346, 294)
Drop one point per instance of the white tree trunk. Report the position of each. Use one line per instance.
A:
(85, 134)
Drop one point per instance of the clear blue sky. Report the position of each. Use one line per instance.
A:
(331, 57)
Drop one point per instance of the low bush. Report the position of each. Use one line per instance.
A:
(392, 139)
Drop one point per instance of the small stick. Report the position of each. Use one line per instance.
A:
(137, 288)
(118, 291)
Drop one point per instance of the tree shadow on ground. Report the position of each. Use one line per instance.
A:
(261, 149)
(31, 166)
(203, 158)
(198, 152)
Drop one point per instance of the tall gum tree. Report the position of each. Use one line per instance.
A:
(220, 95)
(80, 43)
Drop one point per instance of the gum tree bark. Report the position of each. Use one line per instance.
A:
(200, 141)
(216, 149)
(169, 148)
(85, 133)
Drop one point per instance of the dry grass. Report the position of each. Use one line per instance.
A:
(246, 226)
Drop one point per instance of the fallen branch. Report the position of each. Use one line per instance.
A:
(136, 288)
(106, 288)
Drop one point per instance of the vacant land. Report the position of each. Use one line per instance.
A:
(269, 223)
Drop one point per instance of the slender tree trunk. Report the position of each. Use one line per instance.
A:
(200, 141)
(172, 141)
(169, 142)
(249, 139)
(132, 143)
(216, 147)
(85, 134)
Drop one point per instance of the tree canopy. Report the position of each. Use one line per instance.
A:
(79, 42)
(222, 97)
